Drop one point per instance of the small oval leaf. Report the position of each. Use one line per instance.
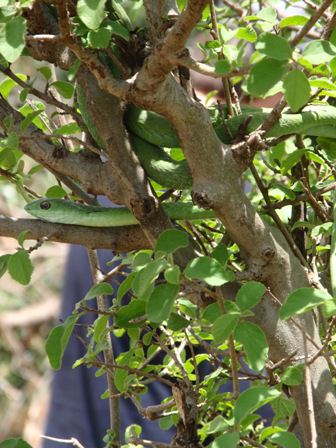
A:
(209, 270)
(302, 300)
(160, 302)
(255, 344)
(250, 295)
(252, 399)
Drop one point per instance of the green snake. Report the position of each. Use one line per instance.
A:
(67, 212)
(148, 132)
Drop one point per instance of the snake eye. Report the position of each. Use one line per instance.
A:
(45, 205)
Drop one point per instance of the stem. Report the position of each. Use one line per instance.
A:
(311, 22)
(225, 81)
(108, 354)
(312, 437)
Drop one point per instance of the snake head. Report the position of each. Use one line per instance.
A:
(44, 208)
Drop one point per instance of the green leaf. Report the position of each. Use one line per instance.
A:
(91, 12)
(14, 443)
(293, 375)
(4, 263)
(220, 253)
(58, 339)
(329, 307)
(274, 46)
(160, 302)
(177, 322)
(264, 75)
(322, 83)
(22, 236)
(285, 439)
(303, 300)
(170, 240)
(64, 88)
(209, 270)
(322, 229)
(253, 399)
(293, 21)
(121, 13)
(250, 294)
(55, 192)
(121, 375)
(100, 38)
(229, 440)
(68, 129)
(45, 71)
(218, 424)
(12, 38)
(222, 66)
(332, 66)
(20, 267)
(211, 312)
(147, 275)
(99, 289)
(131, 432)
(30, 117)
(224, 326)
(125, 286)
(246, 33)
(292, 159)
(99, 328)
(127, 314)
(268, 14)
(7, 85)
(141, 259)
(283, 407)
(172, 274)
(297, 89)
(319, 52)
(255, 344)
(118, 29)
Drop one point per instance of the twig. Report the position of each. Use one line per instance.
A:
(145, 442)
(327, 339)
(310, 403)
(311, 22)
(205, 69)
(303, 197)
(225, 81)
(276, 218)
(174, 353)
(12, 177)
(152, 412)
(108, 353)
(233, 355)
(236, 8)
(43, 96)
(71, 441)
(329, 28)
(135, 371)
(192, 351)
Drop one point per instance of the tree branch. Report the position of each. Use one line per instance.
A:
(119, 239)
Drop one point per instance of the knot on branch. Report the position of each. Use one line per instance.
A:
(201, 199)
(59, 152)
(244, 151)
(268, 253)
(143, 209)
